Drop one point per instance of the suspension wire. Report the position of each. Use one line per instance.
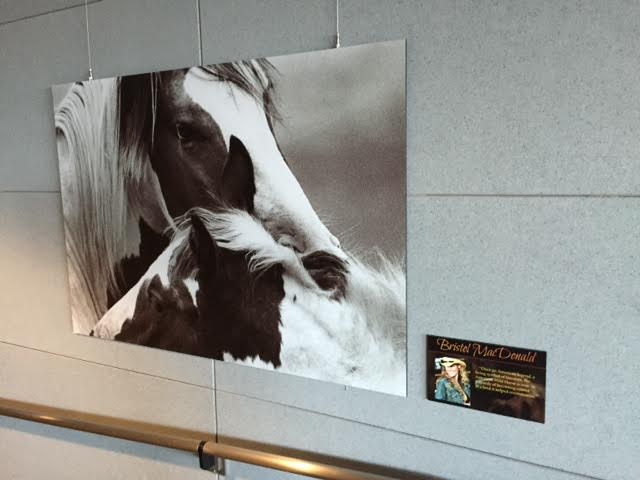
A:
(86, 21)
(199, 32)
(337, 23)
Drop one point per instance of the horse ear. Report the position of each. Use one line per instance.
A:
(155, 291)
(204, 248)
(238, 182)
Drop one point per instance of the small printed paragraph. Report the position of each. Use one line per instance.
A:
(504, 381)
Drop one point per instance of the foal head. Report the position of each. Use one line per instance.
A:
(239, 307)
(164, 317)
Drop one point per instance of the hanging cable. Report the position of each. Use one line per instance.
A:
(86, 18)
(199, 32)
(337, 23)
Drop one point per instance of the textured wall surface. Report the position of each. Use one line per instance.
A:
(523, 154)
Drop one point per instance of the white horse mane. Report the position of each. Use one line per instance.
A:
(93, 193)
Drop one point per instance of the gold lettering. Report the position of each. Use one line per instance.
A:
(445, 346)
(504, 352)
(478, 350)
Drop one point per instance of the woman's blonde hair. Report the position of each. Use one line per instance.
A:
(463, 379)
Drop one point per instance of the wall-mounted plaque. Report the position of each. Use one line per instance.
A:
(489, 377)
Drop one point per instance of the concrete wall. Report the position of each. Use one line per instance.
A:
(524, 229)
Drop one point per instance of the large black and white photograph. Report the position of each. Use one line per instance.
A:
(251, 212)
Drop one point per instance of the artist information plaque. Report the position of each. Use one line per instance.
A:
(489, 377)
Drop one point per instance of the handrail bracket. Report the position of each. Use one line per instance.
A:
(209, 462)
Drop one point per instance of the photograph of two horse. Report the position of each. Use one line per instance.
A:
(250, 212)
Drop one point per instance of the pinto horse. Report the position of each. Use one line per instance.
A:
(137, 152)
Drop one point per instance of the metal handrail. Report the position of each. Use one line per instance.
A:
(175, 438)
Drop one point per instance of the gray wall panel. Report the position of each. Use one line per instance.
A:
(255, 28)
(514, 97)
(35, 54)
(39, 377)
(34, 451)
(284, 428)
(138, 36)
(11, 11)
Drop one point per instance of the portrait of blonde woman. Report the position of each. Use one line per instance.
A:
(452, 383)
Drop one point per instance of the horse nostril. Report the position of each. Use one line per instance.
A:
(328, 271)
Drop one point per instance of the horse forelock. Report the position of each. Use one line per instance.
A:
(137, 103)
(255, 77)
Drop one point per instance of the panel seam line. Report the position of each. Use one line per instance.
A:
(48, 12)
(107, 365)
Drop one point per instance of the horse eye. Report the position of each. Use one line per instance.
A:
(185, 132)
